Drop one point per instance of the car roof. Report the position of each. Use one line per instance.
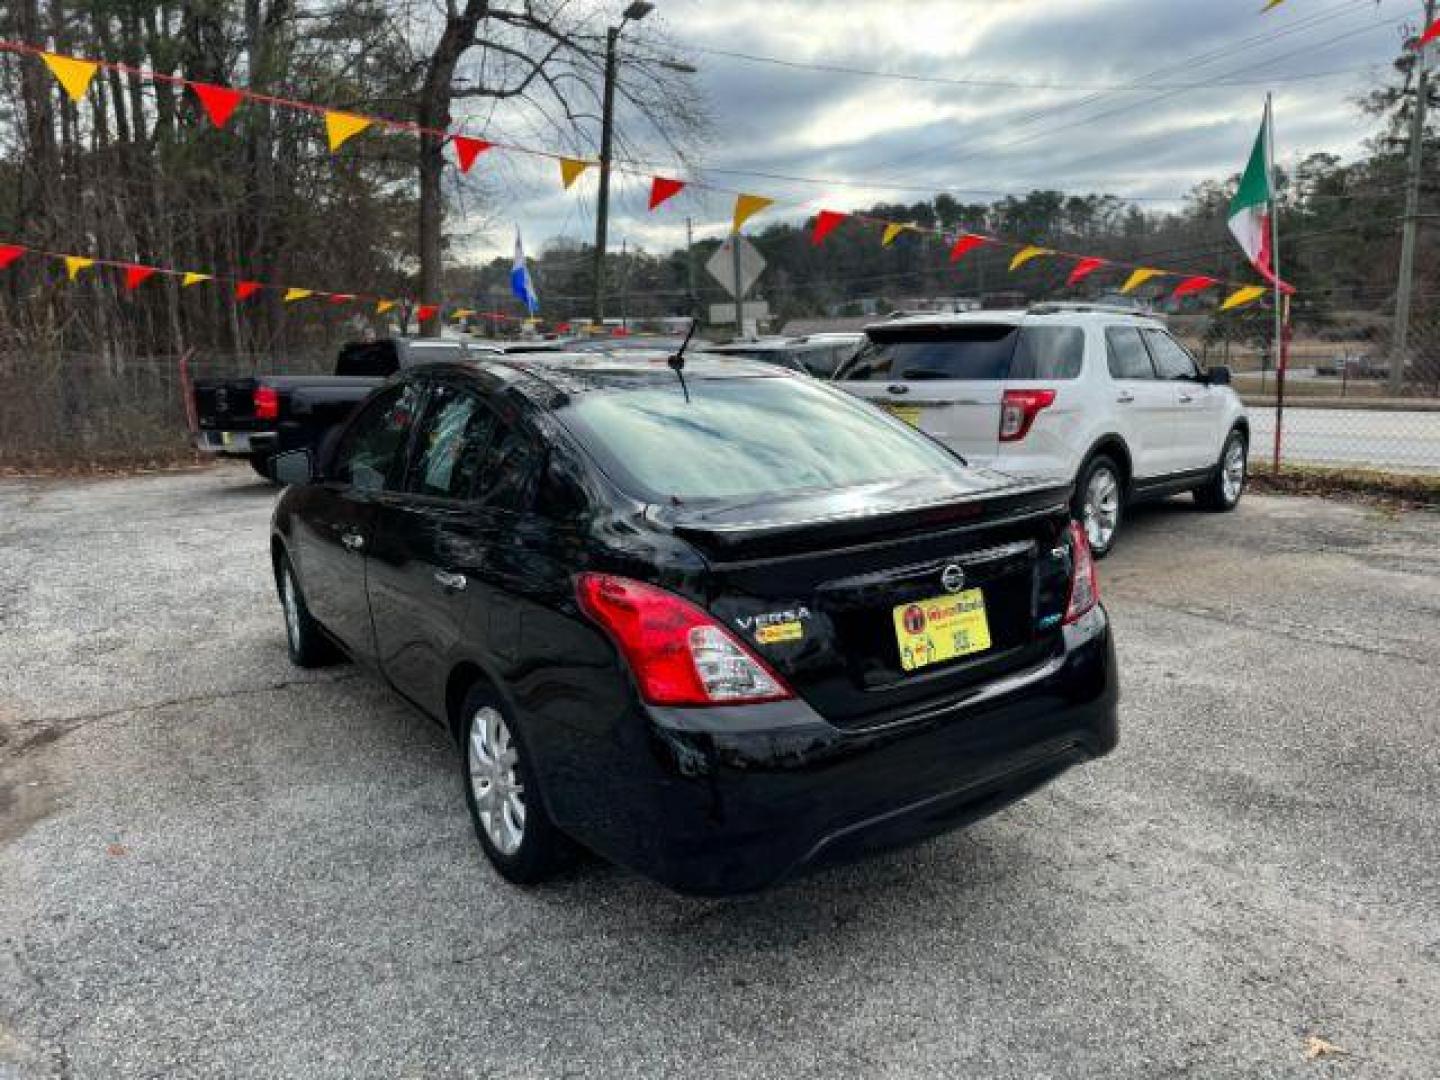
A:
(1041, 315)
(539, 374)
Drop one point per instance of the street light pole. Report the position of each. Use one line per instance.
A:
(637, 10)
(1400, 336)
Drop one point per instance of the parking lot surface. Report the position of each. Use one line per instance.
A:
(212, 864)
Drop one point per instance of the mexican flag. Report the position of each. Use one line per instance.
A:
(1252, 206)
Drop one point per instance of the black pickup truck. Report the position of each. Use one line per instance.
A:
(260, 416)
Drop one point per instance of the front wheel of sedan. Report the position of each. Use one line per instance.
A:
(505, 806)
(1223, 490)
(1099, 503)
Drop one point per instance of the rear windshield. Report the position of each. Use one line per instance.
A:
(970, 351)
(745, 438)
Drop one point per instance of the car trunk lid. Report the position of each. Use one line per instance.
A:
(972, 580)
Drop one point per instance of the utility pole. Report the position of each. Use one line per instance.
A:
(690, 267)
(739, 288)
(637, 10)
(1400, 337)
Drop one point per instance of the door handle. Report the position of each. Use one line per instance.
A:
(1125, 397)
(897, 388)
(451, 582)
(352, 541)
(1185, 399)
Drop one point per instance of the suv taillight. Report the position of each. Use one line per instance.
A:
(679, 654)
(267, 403)
(1018, 409)
(1084, 584)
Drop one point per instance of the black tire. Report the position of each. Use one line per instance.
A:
(306, 642)
(541, 849)
(1100, 464)
(261, 464)
(1222, 493)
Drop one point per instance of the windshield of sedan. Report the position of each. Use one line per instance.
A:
(744, 438)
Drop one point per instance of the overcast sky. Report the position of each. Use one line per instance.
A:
(1128, 97)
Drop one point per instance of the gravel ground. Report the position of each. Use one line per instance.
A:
(213, 864)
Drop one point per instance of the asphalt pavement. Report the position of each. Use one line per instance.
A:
(212, 864)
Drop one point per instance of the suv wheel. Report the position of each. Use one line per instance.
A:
(505, 805)
(1223, 490)
(1099, 503)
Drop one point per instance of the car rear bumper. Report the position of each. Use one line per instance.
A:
(741, 798)
(236, 443)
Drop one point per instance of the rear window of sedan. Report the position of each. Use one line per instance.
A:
(970, 351)
(742, 438)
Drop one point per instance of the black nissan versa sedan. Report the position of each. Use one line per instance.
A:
(717, 624)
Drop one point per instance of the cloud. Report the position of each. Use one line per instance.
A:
(886, 139)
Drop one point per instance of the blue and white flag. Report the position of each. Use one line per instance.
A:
(520, 283)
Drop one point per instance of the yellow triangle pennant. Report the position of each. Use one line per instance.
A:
(746, 207)
(291, 295)
(1138, 278)
(1242, 296)
(1025, 254)
(74, 75)
(341, 126)
(461, 313)
(382, 306)
(892, 230)
(570, 170)
(192, 278)
(75, 263)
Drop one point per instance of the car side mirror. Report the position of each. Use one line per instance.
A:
(294, 467)
(1219, 375)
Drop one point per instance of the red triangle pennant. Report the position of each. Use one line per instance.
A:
(825, 223)
(426, 312)
(219, 102)
(1198, 283)
(467, 150)
(1431, 34)
(136, 275)
(246, 289)
(967, 242)
(1083, 269)
(9, 253)
(662, 188)
(340, 297)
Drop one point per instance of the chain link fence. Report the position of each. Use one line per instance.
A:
(1340, 408)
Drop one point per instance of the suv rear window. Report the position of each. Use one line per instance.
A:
(969, 351)
(744, 438)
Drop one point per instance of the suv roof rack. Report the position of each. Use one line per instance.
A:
(1052, 307)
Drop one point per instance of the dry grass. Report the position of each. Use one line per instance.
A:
(1392, 491)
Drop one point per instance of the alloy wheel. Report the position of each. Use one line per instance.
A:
(1101, 508)
(290, 601)
(1232, 471)
(495, 781)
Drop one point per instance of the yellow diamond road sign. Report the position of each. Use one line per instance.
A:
(722, 264)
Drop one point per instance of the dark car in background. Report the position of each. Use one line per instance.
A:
(716, 625)
(256, 417)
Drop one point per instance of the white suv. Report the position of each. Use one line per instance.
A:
(1098, 396)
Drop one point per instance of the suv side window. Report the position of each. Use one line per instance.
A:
(452, 444)
(369, 454)
(1127, 355)
(1172, 360)
(1048, 352)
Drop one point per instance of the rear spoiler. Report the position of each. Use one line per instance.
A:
(730, 540)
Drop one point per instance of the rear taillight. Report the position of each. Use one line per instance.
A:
(1084, 584)
(1018, 409)
(267, 403)
(679, 654)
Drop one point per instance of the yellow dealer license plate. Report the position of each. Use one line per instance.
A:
(941, 628)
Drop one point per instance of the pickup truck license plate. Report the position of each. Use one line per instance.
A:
(909, 413)
(941, 628)
(227, 439)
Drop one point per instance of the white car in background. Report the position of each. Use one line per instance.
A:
(1099, 396)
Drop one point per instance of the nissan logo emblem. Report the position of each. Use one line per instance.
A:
(953, 578)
